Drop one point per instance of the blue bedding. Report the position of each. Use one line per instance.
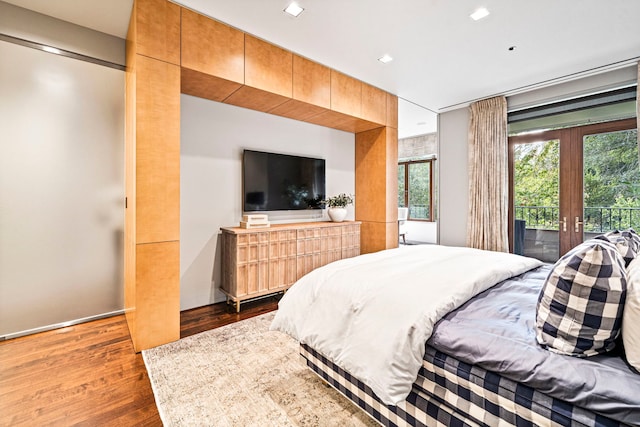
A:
(496, 331)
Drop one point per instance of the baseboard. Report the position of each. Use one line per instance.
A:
(59, 325)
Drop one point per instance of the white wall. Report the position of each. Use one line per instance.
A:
(453, 178)
(213, 136)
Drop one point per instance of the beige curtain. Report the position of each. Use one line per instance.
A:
(487, 226)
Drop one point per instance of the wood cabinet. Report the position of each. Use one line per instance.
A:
(152, 147)
(157, 27)
(263, 261)
(346, 94)
(374, 104)
(311, 82)
(171, 50)
(376, 173)
(392, 111)
(157, 194)
(212, 57)
(268, 67)
(268, 76)
(211, 47)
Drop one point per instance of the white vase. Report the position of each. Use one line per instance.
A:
(337, 214)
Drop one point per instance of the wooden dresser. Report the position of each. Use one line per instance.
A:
(263, 261)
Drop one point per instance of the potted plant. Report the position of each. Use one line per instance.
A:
(337, 206)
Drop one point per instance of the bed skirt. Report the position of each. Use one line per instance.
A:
(452, 393)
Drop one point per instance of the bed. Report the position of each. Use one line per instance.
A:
(459, 355)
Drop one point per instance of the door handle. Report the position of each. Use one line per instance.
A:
(578, 223)
(564, 223)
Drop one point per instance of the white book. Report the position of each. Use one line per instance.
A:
(255, 218)
(245, 224)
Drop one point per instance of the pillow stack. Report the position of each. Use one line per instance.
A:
(631, 315)
(627, 242)
(591, 295)
(628, 245)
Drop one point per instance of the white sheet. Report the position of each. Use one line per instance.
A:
(372, 314)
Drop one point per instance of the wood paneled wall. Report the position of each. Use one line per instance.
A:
(152, 219)
(377, 188)
(172, 50)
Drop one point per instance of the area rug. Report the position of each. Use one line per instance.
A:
(243, 375)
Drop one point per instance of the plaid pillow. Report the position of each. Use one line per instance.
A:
(579, 310)
(631, 316)
(627, 242)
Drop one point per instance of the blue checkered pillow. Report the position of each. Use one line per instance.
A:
(579, 310)
(627, 242)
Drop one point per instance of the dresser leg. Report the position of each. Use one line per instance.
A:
(238, 306)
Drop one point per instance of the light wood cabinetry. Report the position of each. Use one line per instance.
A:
(376, 167)
(157, 294)
(212, 57)
(157, 151)
(374, 105)
(311, 82)
(211, 47)
(346, 94)
(158, 29)
(311, 91)
(152, 147)
(268, 67)
(257, 262)
(392, 111)
(171, 50)
(268, 76)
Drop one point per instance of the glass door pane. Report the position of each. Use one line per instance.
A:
(611, 180)
(401, 186)
(419, 190)
(536, 187)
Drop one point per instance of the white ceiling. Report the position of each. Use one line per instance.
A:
(111, 17)
(442, 58)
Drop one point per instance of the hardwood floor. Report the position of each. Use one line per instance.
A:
(89, 375)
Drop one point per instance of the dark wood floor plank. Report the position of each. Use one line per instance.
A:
(89, 374)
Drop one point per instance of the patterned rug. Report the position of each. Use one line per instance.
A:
(243, 375)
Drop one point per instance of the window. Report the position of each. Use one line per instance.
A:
(415, 188)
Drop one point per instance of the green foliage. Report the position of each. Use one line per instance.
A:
(419, 188)
(611, 179)
(340, 201)
(536, 174)
(401, 189)
(611, 174)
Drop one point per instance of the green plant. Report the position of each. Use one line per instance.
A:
(340, 201)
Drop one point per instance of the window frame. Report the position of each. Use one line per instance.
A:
(405, 165)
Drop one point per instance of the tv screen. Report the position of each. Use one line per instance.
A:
(275, 182)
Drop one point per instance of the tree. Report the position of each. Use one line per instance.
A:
(418, 187)
(611, 169)
(536, 180)
(611, 179)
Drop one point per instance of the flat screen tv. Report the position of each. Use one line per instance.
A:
(276, 182)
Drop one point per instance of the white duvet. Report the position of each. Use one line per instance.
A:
(372, 314)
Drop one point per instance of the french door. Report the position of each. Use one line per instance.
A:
(568, 185)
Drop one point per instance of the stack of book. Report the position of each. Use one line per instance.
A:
(255, 221)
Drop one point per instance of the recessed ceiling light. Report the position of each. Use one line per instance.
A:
(479, 14)
(294, 10)
(51, 50)
(385, 59)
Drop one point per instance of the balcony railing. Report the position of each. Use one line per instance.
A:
(419, 212)
(596, 219)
